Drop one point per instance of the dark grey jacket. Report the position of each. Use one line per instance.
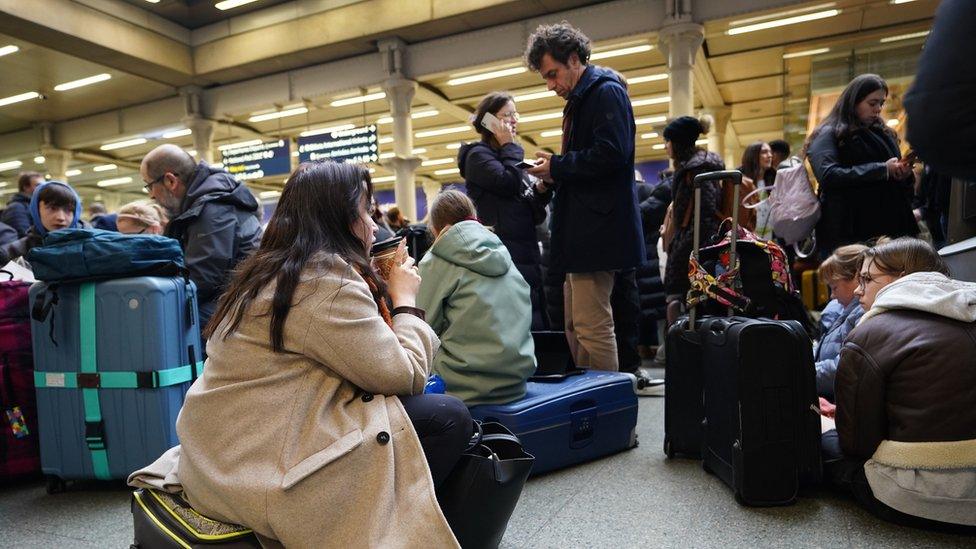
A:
(217, 227)
(17, 214)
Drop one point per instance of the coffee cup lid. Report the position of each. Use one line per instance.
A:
(385, 245)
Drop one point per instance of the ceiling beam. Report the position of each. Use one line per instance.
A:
(76, 29)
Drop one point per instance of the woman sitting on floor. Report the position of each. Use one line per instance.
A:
(906, 383)
(478, 303)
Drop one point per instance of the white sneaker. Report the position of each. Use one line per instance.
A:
(647, 386)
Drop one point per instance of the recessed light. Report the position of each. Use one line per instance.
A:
(114, 182)
(39, 159)
(177, 133)
(231, 4)
(123, 144)
(72, 173)
(358, 99)
(83, 82)
(485, 76)
(18, 98)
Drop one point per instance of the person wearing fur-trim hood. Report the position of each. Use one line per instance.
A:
(905, 387)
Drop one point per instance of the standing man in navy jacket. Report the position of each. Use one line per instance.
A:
(595, 224)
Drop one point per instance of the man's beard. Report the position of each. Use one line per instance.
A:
(170, 203)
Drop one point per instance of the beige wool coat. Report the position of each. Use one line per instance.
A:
(310, 446)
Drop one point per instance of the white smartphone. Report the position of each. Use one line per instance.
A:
(490, 122)
(524, 165)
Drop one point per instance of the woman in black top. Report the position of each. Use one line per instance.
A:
(865, 190)
(506, 199)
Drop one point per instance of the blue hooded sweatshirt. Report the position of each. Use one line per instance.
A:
(36, 212)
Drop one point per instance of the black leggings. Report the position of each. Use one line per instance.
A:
(444, 426)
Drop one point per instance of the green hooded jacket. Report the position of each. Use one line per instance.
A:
(478, 304)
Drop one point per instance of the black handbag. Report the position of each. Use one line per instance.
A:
(479, 495)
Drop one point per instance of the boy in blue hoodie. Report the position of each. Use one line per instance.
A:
(478, 304)
(54, 205)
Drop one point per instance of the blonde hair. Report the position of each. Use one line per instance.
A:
(843, 264)
(450, 207)
(904, 255)
(143, 213)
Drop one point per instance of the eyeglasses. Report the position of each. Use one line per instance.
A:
(864, 279)
(148, 186)
(511, 115)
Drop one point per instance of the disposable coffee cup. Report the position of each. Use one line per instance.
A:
(385, 255)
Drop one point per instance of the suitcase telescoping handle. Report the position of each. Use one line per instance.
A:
(736, 177)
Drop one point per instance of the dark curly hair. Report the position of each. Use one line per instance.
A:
(559, 41)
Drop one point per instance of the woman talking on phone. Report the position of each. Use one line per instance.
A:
(865, 187)
(505, 197)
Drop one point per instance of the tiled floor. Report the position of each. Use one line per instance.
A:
(633, 499)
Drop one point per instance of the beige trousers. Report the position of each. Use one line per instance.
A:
(589, 319)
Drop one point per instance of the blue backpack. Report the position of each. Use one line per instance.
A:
(89, 255)
(92, 254)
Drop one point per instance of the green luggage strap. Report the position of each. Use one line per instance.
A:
(90, 380)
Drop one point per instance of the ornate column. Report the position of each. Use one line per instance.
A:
(399, 92)
(679, 42)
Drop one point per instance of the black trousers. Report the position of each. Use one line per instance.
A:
(625, 304)
(444, 426)
(847, 475)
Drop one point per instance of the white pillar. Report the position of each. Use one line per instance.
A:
(56, 162)
(399, 93)
(203, 130)
(679, 42)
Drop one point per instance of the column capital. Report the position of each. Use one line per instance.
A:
(399, 92)
(722, 116)
(680, 42)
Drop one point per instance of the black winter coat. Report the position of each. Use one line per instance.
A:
(595, 224)
(505, 201)
(858, 201)
(17, 214)
(654, 202)
(217, 227)
(676, 270)
(941, 112)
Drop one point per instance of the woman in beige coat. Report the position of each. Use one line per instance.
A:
(303, 426)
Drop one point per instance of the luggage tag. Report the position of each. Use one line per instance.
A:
(17, 423)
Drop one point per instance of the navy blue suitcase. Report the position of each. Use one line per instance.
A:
(108, 407)
(579, 418)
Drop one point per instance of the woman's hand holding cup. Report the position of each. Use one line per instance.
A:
(403, 284)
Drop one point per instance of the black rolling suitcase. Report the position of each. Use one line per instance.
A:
(762, 418)
(684, 411)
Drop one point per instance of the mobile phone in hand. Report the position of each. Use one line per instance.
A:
(524, 165)
(490, 122)
(910, 158)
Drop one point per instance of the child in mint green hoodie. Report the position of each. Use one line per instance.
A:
(478, 304)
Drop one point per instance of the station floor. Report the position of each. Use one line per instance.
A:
(633, 499)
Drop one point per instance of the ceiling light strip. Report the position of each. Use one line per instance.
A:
(83, 82)
(358, 99)
(18, 98)
(486, 76)
(805, 53)
(123, 144)
(278, 114)
(783, 22)
(7, 50)
(619, 52)
(908, 36)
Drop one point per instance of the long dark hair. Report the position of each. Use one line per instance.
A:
(843, 120)
(750, 165)
(316, 212)
(493, 102)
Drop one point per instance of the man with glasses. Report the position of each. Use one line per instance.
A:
(214, 217)
(596, 230)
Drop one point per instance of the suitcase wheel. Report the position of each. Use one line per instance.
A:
(668, 448)
(55, 485)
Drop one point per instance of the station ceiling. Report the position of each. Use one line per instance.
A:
(759, 74)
